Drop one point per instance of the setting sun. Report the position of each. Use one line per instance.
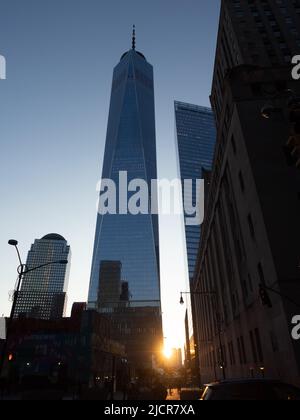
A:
(167, 353)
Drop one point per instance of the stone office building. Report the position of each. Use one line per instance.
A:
(251, 235)
(261, 32)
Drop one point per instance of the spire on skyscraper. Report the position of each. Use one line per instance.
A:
(133, 38)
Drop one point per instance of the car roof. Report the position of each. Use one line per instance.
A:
(244, 381)
(192, 389)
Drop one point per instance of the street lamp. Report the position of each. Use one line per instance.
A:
(21, 270)
(13, 242)
(209, 294)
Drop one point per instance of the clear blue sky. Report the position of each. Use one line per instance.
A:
(53, 115)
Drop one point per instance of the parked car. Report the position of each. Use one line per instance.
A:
(250, 390)
(191, 394)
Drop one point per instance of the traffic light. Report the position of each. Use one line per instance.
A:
(264, 296)
(293, 143)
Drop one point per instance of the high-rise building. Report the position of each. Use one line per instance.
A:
(250, 238)
(43, 291)
(263, 32)
(195, 137)
(131, 240)
(110, 285)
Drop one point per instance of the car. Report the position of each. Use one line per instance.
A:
(250, 390)
(191, 394)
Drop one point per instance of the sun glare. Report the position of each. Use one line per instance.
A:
(167, 353)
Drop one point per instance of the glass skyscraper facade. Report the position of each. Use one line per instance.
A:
(43, 291)
(125, 279)
(196, 139)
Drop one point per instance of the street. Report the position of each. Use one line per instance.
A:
(174, 395)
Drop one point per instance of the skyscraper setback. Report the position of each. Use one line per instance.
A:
(129, 244)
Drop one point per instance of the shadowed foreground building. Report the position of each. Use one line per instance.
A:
(43, 292)
(125, 280)
(250, 236)
(262, 32)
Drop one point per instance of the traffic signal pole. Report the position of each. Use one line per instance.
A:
(265, 297)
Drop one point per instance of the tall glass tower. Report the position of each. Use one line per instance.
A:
(43, 292)
(125, 267)
(196, 139)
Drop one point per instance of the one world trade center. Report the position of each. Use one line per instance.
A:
(125, 279)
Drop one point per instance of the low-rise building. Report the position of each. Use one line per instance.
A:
(78, 351)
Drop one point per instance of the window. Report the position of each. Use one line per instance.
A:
(231, 354)
(251, 226)
(261, 274)
(242, 350)
(274, 342)
(233, 143)
(250, 283)
(259, 346)
(242, 183)
(254, 352)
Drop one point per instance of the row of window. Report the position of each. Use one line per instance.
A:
(238, 353)
(271, 31)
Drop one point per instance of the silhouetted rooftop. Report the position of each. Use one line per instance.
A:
(54, 237)
(139, 53)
